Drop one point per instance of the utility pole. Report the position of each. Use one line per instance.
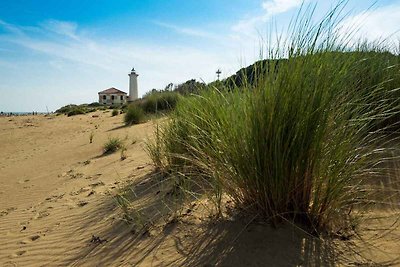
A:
(218, 73)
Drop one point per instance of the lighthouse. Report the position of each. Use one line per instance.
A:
(133, 86)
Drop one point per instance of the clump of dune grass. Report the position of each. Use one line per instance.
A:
(134, 115)
(303, 140)
(155, 149)
(112, 145)
(159, 101)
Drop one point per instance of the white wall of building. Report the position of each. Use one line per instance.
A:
(112, 99)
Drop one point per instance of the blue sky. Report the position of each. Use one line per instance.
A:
(54, 53)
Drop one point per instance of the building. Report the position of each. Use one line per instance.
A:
(133, 85)
(112, 96)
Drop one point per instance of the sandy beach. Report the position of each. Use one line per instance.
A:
(57, 188)
(58, 206)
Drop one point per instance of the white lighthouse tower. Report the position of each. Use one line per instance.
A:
(133, 86)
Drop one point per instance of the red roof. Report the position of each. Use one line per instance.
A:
(112, 90)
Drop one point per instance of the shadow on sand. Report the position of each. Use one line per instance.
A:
(119, 127)
(153, 239)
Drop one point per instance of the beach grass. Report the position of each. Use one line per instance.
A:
(112, 145)
(134, 115)
(302, 139)
(160, 101)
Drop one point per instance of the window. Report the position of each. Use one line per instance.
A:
(122, 97)
(112, 97)
(104, 97)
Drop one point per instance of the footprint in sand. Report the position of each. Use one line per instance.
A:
(54, 198)
(100, 183)
(23, 181)
(34, 237)
(80, 191)
(10, 264)
(93, 177)
(7, 211)
(18, 253)
(29, 240)
(82, 203)
(41, 214)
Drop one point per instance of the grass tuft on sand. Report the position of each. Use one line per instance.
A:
(134, 115)
(303, 141)
(112, 145)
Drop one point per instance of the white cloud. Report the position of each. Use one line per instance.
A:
(249, 26)
(273, 7)
(75, 68)
(73, 63)
(377, 24)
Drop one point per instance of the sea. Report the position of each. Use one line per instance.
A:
(19, 113)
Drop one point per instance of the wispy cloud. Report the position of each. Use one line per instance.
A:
(273, 7)
(270, 8)
(10, 28)
(66, 60)
(64, 28)
(185, 30)
(94, 63)
(382, 23)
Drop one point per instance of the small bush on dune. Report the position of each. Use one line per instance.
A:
(133, 115)
(299, 144)
(95, 104)
(115, 112)
(66, 109)
(76, 111)
(159, 101)
(112, 145)
(71, 110)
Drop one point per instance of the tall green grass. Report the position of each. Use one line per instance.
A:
(134, 115)
(159, 101)
(302, 140)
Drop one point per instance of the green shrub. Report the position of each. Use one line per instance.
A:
(114, 112)
(299, 141)
(76, 111)
(95, 104)
(159, 101)
(133, 115)
(72, 109)
(66, 109)
(112, 145)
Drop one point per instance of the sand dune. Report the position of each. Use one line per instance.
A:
(58, 206)
(56, 187)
